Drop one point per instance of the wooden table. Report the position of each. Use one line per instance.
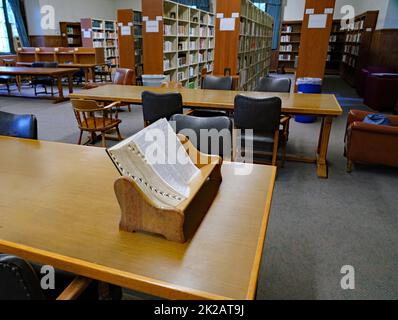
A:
(89, 68)
(57, 73)
(58, 208)
(325, 106)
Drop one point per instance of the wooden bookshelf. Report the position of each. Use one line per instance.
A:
(357, 43)
(289, 45)
(71, 34)
(246, 50)
(335, 50)
(63, 56)
(98, 33)
(183, 45)
(130, 40)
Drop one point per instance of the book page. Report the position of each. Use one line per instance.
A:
(157, 156)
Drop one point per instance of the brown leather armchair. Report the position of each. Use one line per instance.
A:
(370, 143)
(123, 77)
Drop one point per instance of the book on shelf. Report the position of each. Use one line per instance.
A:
(157, 161)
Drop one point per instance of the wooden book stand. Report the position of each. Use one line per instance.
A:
(140, 213)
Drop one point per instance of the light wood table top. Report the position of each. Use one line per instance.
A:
(58, 207)
(36, 71)
(66, 65)
(313, 104)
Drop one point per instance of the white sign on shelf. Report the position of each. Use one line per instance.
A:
(317, 21)
(227, 24)
(159, 18)
(310, 11)
(235, 15)
(145, 18)
(87, 34)
(125, 31)
(329, 11)
(152, 26)
(220, 15)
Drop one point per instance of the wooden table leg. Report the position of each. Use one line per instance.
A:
(60, 90)
(86, 75)
(70, 82)
(322, 166)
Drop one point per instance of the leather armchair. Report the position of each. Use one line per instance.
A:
(381, 91)
(365, 73)
(122, 76)
(18, 126)
(20, 280)
(370, 143)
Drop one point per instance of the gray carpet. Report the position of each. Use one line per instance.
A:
(316, 226)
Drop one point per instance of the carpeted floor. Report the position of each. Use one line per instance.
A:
(316, 226)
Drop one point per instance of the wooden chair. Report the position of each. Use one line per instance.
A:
(85, 113)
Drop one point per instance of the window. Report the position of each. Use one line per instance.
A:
(8, 30)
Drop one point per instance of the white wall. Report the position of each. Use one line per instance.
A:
(71, 11)
(388, 10)
(129, 4)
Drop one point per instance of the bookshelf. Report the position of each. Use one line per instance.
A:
(289, 45)
(98, 33)
(183, 45)
(71, 34)
(129, 24)
(357, 42)
(245, 50)
(335, 49)
(63, 56)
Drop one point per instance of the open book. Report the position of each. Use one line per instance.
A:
(157, 161)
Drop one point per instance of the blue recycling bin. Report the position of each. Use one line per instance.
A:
(308, 85)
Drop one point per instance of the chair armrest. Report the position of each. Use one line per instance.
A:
(114, 104)
(189, 112)
(372, 128)
(285, 119)
(357, 115)
(75, 289)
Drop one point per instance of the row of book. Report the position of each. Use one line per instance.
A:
(353, 37)
(285, 57)
(351, 49)
(285, 38)
(286, 48)
(287, 29)
(351, 61)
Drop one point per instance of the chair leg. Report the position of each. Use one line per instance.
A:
(103, 140)
(35, 88)
(80, 138)
(276, 147)
(119, 136)
(284, 155)
(349, 166)
(52, 90)
(8, 88)
(129, 107)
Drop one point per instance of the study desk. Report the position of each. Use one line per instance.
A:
(58, 208)
(324, 106)
(89, 68)
(57, 73)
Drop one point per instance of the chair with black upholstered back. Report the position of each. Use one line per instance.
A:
(217, 130)
(20, 280)
(157, 106)
(273, 84)
(18, 126)
(44, 81)
(263, 116)
(214, 83)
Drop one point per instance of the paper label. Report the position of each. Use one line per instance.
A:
(235, 15)
(220, 15)
(310, 11)
(227, 24)
(317, 21)
(125, 31)
(152, 26)
(329, 11)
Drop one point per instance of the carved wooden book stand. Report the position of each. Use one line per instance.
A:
(140, 213)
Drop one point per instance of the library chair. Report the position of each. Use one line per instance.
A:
(365, 73)
(381, 91)
(273, 84)
(187, 125)
(8, 80)
(92, 118)
(20, 280)
(18, 126)
(157, 106)
(44, 81)
(263, 116)
(214, 83)
(370, 143)
(123, 77)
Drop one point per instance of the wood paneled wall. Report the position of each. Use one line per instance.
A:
(384, 49)
(46, 41)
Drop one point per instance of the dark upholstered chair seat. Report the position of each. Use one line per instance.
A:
(19, 126)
